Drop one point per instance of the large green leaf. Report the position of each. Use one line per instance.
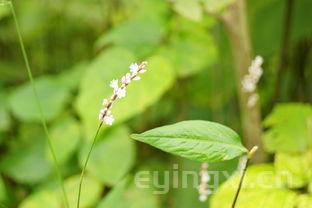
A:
(27, 163)
(141, 34)
(113, 64)
(289, 128)
(41, 199)
(304, 201)
(71, 77)
(52, 95)
(294, 169)
(113, 199)
(65, 136)
(197, 140)
(112, 157)
(261, 188)
(128, 194)
(50, 195)
(189, 9)
(90, 192)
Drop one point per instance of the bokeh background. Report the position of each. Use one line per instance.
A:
(75, 47)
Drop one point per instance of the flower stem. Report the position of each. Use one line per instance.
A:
(42, 117)
(86, 163)
(245, 166)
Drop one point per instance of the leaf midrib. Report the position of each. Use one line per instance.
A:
(199, 140)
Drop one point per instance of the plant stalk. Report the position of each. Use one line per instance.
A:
(42, 117)
(86, 163)
(235, 21)
(244, 170)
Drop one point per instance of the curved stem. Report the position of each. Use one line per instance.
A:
(245, 166)
(42, 117)
(86, 163)
(240, 182)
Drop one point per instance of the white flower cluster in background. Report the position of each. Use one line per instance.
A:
(250, 80)
(203, 190)
(119, 91)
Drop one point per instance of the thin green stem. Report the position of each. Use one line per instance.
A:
(42, 117)
(86, 163)
(240, 183)
(245, 166)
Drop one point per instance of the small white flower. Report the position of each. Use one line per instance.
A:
(205, 177)
(255, 69)
(203, 197)
(126, 79)
(137, 78)
(104, 102)
(248, 84)
(258, 61)
(255, 72)
(109, 120)
(252, 100)
(134, 68)
(121, 93)
(114, 84)
(142, 71)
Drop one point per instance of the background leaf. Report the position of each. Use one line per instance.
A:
(65, 137)
(111, 65)
(261, 188)
(189, 9)
(294, 169)
(128, 194)
(112, 157)
(281, 123)
(41, 199)
(90, 193)
(52, 95)
(27, 163)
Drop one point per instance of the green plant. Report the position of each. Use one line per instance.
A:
(199, 52)
(201, 141)
(287, 181)
(105, 115)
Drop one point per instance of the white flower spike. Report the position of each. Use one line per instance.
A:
(250, 81)
(203, 190)
(120, 91)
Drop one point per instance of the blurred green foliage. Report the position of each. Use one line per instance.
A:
(286, 182)
(76, 47)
